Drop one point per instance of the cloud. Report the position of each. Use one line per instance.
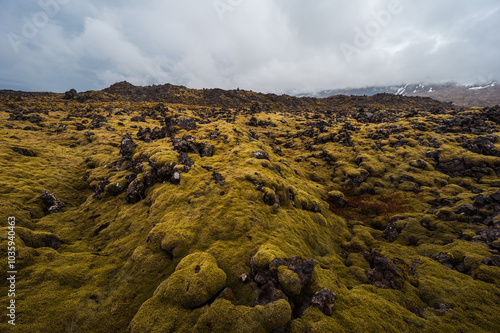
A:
(270, 46)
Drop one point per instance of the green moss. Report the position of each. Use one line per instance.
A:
(196, 279)
(222, 316)
(289, 280)
(115, 255)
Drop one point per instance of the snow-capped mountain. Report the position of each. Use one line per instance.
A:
(482, 94)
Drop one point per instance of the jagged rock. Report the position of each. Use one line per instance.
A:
(493, 261)
(484, 145)
(270, 197)
(99, 190)
(467, 210)
(261, 155)
(387, 272)
(135, 192)
(488, 236)
(144, 134)
(116, 189)
(50, 200)
(281, 278)
(324, 300)
(70, 94)
(277, 151)
(187, 124)
(268, 293)
(260, 123)
(357, 179)
(127, 146)
(445, 259)
(208, 151)
(187, 144)
(185, 160)
(391, 232)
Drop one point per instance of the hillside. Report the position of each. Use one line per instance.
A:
(167, 209)
(486, 94)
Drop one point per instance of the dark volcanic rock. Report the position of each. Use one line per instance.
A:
(70, 94)
(135, 191)
(187, 144)
(50, 200)
(444, 259)
(484, 145)
(24, 151)
(188, 124)
(467, 210)
(99, 190)
(127, 146)
(268, 279)
(488, 236)
(218, 178)
(390, 232)
(387, 272)
(324, 300)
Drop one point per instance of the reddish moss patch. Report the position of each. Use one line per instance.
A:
(371, 206)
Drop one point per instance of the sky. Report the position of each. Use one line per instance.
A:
(276, 46)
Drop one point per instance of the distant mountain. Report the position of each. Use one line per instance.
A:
(485, 94)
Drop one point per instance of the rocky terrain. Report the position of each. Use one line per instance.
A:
(484, 94)
(166, 209)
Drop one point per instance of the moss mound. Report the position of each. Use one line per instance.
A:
(165, 209)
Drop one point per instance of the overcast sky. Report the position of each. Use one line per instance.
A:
(262, 45)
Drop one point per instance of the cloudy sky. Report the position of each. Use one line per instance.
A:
(262, 45)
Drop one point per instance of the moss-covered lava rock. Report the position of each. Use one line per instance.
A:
(168, 209)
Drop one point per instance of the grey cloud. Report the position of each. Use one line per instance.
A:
(270, 46)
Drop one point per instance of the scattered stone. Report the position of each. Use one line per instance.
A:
(387, 272)
(493, 261)
(135, 192)
(24, 151)
(127, 147)
(324, 300)
(50, 200)
(467, 210)
(391, 232)
(484, 145)
(444, 259)
(188, 124)
(218, 178)
(488, 236)
(261, 155)
(115, 189)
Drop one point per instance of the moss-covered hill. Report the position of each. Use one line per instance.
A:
(165, 209)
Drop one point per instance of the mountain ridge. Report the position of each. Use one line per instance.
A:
(469, 95)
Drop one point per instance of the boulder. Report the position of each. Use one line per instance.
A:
(50, 200)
